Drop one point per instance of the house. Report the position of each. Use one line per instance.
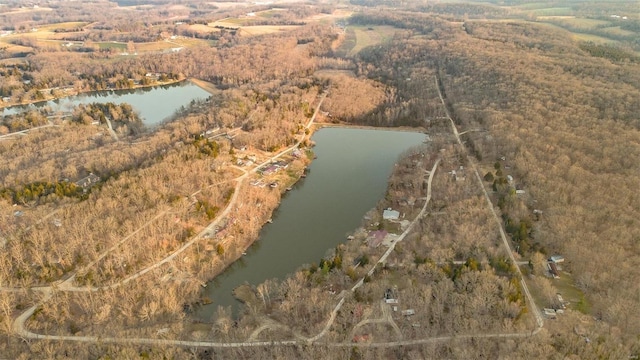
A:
(556, 259)
(281, 164)
(408, 312)
(389, 214)
(88, 181)
(269, 170)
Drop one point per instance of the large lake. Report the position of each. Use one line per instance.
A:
(347, 179)
(154, 104)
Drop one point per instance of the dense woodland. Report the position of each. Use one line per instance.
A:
(551, 117)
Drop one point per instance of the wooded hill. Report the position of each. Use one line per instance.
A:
(555, 132)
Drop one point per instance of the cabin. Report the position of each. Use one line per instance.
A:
(389, 214)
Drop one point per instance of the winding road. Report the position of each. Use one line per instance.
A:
(20, 330)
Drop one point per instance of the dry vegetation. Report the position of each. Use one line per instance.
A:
(558, 116)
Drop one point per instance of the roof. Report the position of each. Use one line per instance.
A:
(556, 258)
(389, 214)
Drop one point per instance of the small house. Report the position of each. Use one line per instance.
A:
(408, 312)
(389, 214)
(556, 259)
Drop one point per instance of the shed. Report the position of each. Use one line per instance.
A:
(556, 259)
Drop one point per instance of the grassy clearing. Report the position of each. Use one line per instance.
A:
(190, 42)
(14, 50)
(112, 45)
(366, 36)
(270, 13)
(265, 29)
(63, 26)
(155, 46)
(593, 38)
(342, 48)
(617, 31)
(232, 22)
(203, 29)
(577, 36)
(583, 24)
(532, 6)
(567, 288)
(554, 11)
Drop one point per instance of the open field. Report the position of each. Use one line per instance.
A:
(265, 29)
(203, 29)
(581, 23)
(581, 36)
(567, 288)
(366, 36)
(23, 10)
(554, 11)
(593, 38)
(231, 22)
(617, 31)
(12, 50)
(112, 45)
(65, 26)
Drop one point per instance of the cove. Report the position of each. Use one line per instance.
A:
(154, 104)
(346, 180)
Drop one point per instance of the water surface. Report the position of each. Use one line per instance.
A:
(346, 180)
(154, 104)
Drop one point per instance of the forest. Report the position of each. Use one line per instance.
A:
(521, 110)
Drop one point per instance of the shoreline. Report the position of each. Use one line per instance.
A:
(245, 244)
(77, 93)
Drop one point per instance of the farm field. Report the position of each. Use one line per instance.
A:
(360, 37)
(265, 29)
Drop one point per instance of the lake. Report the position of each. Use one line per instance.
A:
(154, 104)
(346, 180)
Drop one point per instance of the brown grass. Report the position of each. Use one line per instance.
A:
(265, 29)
